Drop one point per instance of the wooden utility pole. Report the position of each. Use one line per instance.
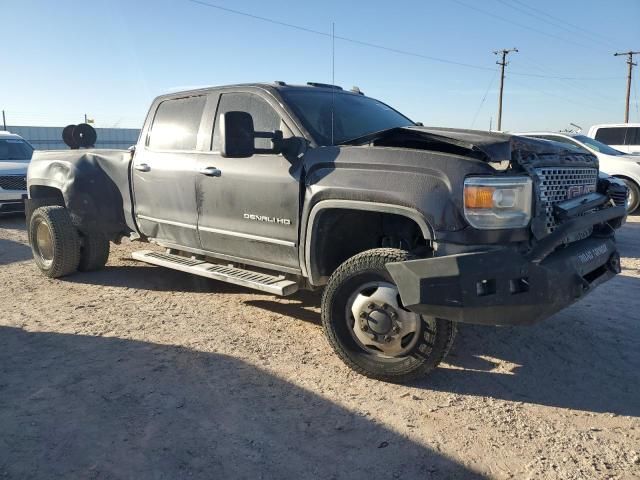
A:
(630, 55)
(503, 63)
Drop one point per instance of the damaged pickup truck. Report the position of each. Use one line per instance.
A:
(280, 187)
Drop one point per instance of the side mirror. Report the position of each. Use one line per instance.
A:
(237, 135)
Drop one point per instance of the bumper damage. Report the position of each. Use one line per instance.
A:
(504, 287)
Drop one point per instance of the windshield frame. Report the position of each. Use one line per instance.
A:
(298, 116)
(21, 141)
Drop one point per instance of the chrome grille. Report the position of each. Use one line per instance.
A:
(555, 184)
(13, 182)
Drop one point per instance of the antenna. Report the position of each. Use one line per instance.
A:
(333, 74)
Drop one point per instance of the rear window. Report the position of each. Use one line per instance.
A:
(611, 135)
(14, 149)
(176, 123)
(633, 136)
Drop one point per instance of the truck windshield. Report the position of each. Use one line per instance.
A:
(14, 149)
(598, 146)
(352, 116)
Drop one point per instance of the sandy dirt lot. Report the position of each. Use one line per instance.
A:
(141, 372)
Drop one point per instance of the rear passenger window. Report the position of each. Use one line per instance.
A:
(176, 123)
(265, 118)
(611, 135)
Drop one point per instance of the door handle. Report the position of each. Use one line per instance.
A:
(211, 172)
(143, 167)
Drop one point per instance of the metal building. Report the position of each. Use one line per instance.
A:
(50, 138)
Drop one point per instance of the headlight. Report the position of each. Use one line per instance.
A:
(492, 203)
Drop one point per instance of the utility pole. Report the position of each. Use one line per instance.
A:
(503, 63)
(4, 121)
(630, 55)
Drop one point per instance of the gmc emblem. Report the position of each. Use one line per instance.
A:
(577, 190)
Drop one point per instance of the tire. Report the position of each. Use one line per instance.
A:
(94, 252)
(426, 345)
(54, 240)
(634, 195)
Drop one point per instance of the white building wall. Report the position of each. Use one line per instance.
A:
(50, 138)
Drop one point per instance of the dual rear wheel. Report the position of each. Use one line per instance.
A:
(59, 248)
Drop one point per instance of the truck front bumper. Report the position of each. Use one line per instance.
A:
(504, 287)
(12, 201)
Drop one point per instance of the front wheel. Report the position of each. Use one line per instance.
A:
(366, 324)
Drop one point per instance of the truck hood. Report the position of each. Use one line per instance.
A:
(486, 146)
(14, 167)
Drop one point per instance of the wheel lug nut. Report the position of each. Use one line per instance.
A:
(396, 329)
(387, 339)
(365, 328)
(393, 315)
(363, 314)
(371, 306)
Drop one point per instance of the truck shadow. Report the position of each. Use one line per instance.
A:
(585, 358)
(76, 406)
(148, 277)
(12, 251)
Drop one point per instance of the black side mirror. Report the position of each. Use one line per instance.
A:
(237, 135)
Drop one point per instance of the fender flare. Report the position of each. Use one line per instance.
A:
(309, 228)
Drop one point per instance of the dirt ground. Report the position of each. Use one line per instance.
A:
(142, 372)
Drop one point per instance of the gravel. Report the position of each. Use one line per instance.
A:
(141, 372)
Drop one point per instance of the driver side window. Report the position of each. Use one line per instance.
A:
(265, 118)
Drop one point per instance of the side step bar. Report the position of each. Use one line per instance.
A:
(277, 285)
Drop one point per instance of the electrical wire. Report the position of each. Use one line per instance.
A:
(558, 24)
(521, 25)
(375, 45)
(565, 22)
(484, 97)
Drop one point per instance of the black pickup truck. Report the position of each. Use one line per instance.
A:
(279, 187)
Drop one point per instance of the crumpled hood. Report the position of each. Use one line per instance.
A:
(487, 146)
(14, 167)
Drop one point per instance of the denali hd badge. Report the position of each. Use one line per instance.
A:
(265, 218)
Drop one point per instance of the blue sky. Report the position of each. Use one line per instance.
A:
(110, 58)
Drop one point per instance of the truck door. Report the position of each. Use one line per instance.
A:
(164, 171)
(249, 207)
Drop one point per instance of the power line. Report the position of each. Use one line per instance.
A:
(558, 24)
(377, 46)
(577, 27)
(521, 25)
(484, 97)
(561, 97)
(573, 83)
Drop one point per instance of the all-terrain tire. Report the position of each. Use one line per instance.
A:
(94, 252)
(54, 240)
(436, 335)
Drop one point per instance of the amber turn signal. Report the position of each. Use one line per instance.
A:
(478, 197)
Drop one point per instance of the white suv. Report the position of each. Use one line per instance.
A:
(617, 164)
(621, 136)
(15, 155)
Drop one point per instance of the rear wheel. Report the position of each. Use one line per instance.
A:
(54, 241)
(366, 324)
(633, 200)
(94, 252)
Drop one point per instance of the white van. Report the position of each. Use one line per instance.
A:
(621, 136)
